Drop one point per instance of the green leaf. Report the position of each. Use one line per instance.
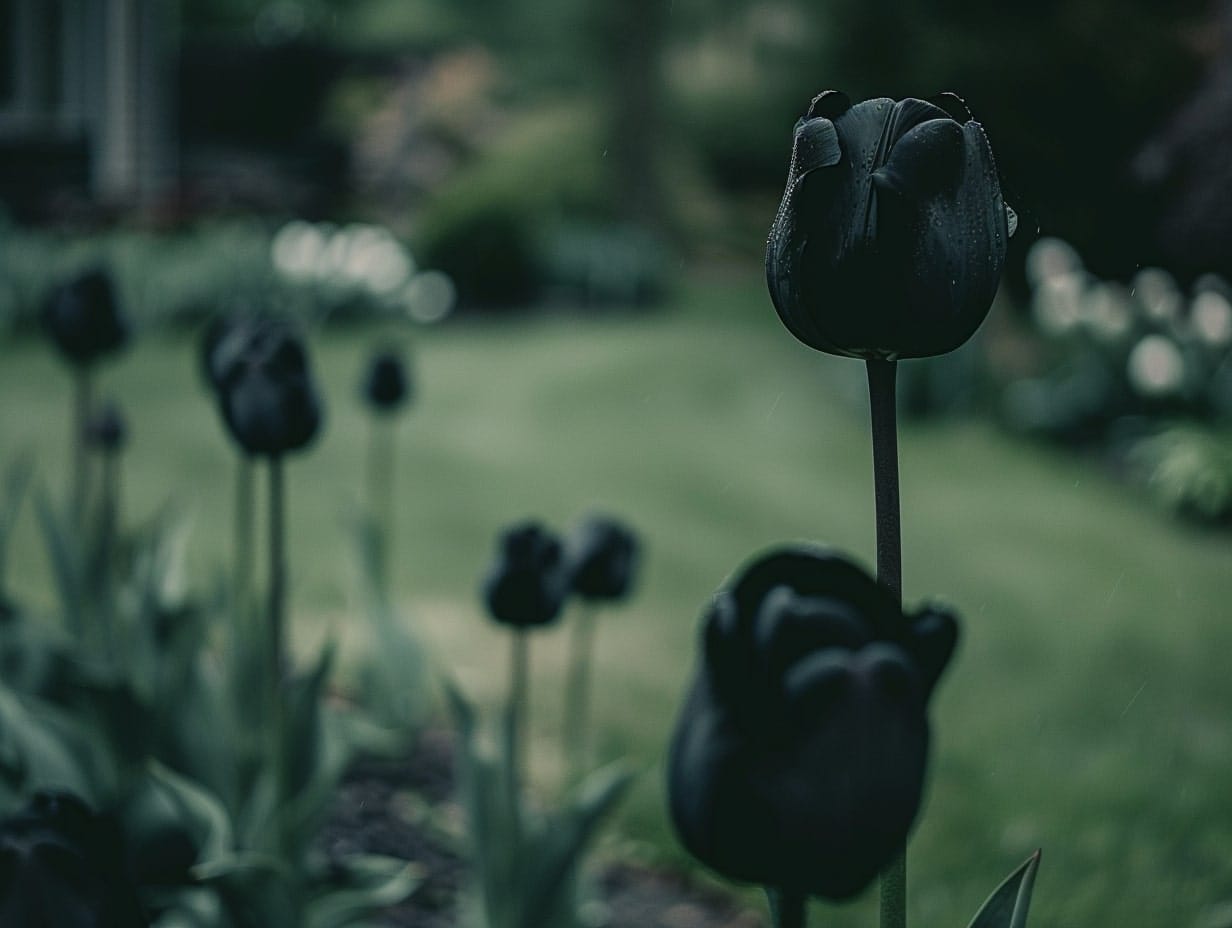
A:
(375, 882)
(40, 749)
(66, 562)
(1008, 905)
(202, 811)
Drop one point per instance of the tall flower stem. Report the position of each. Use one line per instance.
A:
(577, 693)
(881, 379)
(244, 526)
(381, 491)
(788, 909)
(109, 517)
(275, 631)
(519, 673)
(83, 399)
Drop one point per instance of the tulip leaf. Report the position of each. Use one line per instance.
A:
(1009, 903)
(205, 813)
(371, 882)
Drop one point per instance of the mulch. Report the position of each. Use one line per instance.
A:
(406, 809)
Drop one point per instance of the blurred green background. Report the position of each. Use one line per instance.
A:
(594, 181)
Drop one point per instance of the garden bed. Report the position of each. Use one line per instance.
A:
(405, 808)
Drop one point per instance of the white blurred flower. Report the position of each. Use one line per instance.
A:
(1156, 367)
(1107, 311)
(1210, 318)
(1157, 293)
(1050, 258)
(297, 250)
(369, 256)
(1057, 302)
(429, 296)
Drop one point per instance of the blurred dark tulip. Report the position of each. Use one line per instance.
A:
(223, 344)
(526, 584)
(892, 233)
(61, 865)
(601, 557)
(798, 759)
(107, 429)
(386, 386)
(268, 398)
(84, 319)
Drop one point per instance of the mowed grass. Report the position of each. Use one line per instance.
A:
(1088, 712)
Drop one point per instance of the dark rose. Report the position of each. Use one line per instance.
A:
(84, 319)
(386, 386)
(891, 236)
(798, 759)
(601, 556)
(526, 585)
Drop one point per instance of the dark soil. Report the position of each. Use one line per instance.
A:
(406, 809)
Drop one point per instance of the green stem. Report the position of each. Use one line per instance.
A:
(108, 529)
(275, 660)
(881, 389)
(83, 384)
(381, 491)
(787, 909)
(244, 522)
(519, 673)
(577, 693)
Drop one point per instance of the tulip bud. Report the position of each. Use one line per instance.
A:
(798, 759)
(107, 429)
(84, 319)
(526, 585)
(62, 865)
(891, 236)
(602, 555)
(386, 387)
(222, 346)
(268, 398)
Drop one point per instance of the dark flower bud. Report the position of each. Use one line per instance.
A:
(526, 585)
(601, 557)
(61, 864)
(386, 386)
(222, 346)
(268, 398)
(107, 430)
(798, 759)
(891, 236)
(84, 320)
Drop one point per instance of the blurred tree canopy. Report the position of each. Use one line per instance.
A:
(1069, 90)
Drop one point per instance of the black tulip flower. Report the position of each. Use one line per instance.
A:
(84, 319)
(892, 233)
(526, 584)
(386, 386)
(798, 759)
(268, 398)
(61, 864)
(223, 344)
(601, 555)
(107, 429)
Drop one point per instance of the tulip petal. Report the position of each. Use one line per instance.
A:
(953, 104)
(815, 683)
(925, 161)
(816, 146)
(829, 103)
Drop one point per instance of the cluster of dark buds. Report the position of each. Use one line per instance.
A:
(798, 760)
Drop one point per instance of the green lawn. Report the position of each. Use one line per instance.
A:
(1089, 710)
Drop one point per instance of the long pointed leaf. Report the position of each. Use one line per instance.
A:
(1009, 903)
